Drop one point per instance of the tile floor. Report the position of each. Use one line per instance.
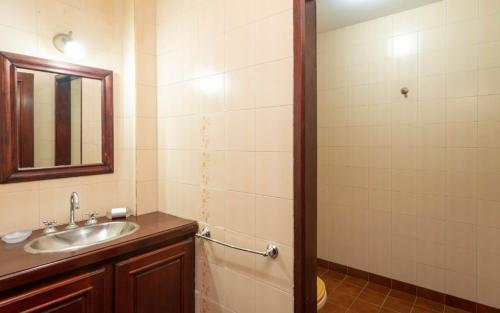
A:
(351, 294)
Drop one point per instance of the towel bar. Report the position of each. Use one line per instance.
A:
(271, 250)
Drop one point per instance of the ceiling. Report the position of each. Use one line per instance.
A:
(333, 14)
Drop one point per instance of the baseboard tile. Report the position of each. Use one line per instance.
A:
(456, 302)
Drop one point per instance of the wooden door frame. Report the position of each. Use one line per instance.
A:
(62, 129)
(305, 151)
(26, 117)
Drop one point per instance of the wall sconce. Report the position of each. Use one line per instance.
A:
(65, 44)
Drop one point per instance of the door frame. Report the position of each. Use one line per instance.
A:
(26, 125)
(305, 152)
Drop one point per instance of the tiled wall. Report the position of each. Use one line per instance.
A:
(27, 27)
(76, 121)
(91, 122)
(146, 155)
(225, 92)
(409, 187)
(43, 119)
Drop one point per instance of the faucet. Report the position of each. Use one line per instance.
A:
(74, 205)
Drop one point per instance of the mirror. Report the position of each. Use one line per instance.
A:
(57, 119)
(60, 119)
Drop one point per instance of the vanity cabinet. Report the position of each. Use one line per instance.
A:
(158, 281)
(149, 271)
(82, 293)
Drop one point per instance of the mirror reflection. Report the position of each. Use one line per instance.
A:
(59, 119)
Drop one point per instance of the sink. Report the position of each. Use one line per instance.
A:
(82, 237)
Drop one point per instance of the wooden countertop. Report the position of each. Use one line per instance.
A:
(18, 267)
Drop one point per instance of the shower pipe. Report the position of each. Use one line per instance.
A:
(271, 250)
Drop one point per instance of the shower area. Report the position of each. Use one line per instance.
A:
(409, 154)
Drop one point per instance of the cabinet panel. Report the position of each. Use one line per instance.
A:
(160, 281)
(83, 293)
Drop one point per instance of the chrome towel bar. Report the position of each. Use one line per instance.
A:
(271, 250)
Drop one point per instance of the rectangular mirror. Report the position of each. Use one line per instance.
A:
(56, 119)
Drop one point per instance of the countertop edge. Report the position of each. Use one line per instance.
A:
(100, 254)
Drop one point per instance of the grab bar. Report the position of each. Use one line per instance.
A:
(271, 250)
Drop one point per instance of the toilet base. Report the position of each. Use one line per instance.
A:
(322, 302)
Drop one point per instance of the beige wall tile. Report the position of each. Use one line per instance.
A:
(270, 299)
(487, 291)
(487, 7)
(431, 277)
(146, 133)
(146, 106)
(274, 175)
(274, 128)
(240, 47)
(240, 126)
(146, 161)
(461, 9)
(240, 212)
(19, 204)
(489, 81)
(461, 285)
(273, 219)
(239, 291)
(404, 270)
(147, 197)
(431, 39)
(275, 37)
(241, 171)
(488, 28)
(239, 260)
(274, 82)
(277, 272)
(241, 89)
(239, 13)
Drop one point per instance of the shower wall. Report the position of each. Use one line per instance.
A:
(408, 187)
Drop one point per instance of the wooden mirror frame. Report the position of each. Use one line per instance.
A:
(9, 119)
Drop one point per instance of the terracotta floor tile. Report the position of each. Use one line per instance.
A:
(321, 270)
(349, 289)
(372, 297)
(421, 310)
(402, 295)
(385, 310)
(341, 299)
(429, 305)
(334, 275)
(332, 307)
(363, 307)
(398, 305)
(331, 285)
(355, 281)
(378, 288)
(450, 309)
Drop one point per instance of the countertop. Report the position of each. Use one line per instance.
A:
(18, 267)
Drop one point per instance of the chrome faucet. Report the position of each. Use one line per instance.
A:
(74, 205)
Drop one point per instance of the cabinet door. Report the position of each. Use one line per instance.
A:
(83, 293)
(160, 281)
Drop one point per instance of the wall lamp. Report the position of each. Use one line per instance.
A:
(67, 45)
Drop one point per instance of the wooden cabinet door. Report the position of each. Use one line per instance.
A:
(160, 281)
(83, 293)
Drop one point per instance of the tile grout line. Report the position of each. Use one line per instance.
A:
(413, 305)
(357, 297)
(385, 300)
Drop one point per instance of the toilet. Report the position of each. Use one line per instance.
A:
(321, 293)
